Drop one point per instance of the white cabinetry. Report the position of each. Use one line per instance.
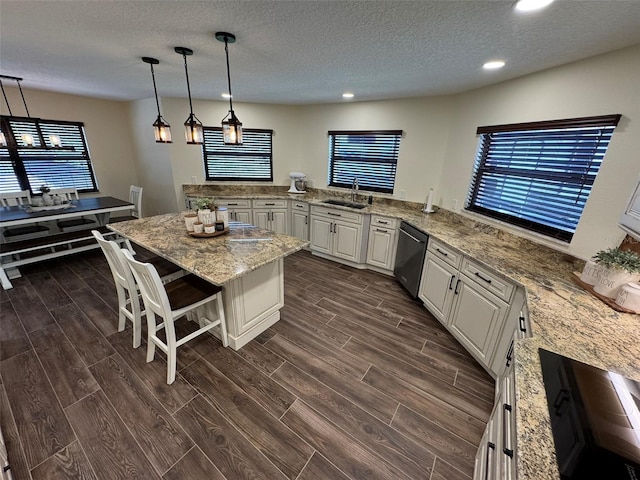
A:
(339, 234)
(471, 301)
(239, 209)
(476, 318)
(439, 276)
(630, 220)
(300, 220)
(383, 241)
(496, 457)
(271, 215)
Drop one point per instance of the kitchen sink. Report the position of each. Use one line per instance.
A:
(344, 203)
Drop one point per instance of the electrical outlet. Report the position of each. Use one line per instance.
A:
(194, 180)
(403, 194)
(454, 205)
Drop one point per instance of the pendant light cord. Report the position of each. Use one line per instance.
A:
(226, 51)
(155, 91)
(23, 100)
(186, 71)
(5, 98)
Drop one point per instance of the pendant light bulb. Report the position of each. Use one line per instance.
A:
(193, 130)
(161, 129)
(231, 125)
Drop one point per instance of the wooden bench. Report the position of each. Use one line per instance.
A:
(15, 254)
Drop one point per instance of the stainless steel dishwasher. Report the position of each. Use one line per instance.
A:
(412, 247)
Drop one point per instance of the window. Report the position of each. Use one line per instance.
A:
(251, 161)
(369, 156)
(539, 175)
(25, 167)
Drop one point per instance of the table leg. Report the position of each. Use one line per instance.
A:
(6, 283)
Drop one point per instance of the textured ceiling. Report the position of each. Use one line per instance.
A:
(298, 52)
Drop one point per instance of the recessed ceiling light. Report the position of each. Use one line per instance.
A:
(530, 5)
(347, 95)
(493, 65)
(226, 95)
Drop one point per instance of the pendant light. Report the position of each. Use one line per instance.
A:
(192, 127)
(231, 126)
(161, 129)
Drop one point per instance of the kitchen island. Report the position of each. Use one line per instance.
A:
(247, 262)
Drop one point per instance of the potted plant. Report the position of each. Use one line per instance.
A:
(204, 206)
(619, 267)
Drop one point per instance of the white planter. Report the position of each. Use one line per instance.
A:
(612, 279)
(591, 272)
(204, 215)
(629, 296)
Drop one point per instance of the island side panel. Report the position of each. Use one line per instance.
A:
(252, 303)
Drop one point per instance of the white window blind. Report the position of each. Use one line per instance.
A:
(369, 156)
(29, 167)
(539, 175)
(251, 161)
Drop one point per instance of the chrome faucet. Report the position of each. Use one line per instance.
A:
(354, 189)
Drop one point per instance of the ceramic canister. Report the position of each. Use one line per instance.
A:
(222, 215)
(629, 296)
(189, 218)
(591, 272)
(198, 227)
(209, 228)
(612, 280)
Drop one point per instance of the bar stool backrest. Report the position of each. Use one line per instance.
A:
(135, 197)
(153, 293)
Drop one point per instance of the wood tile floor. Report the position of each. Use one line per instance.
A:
(356, 381)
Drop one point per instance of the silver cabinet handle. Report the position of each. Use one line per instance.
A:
(490, 446)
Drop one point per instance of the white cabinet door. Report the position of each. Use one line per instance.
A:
(279, 223)
(321, 234)
(380, 249)
(630, 220)
(240, 215)
(300, 225)
(437, 286)
(346, 241)
(261, 218)
(476, 319)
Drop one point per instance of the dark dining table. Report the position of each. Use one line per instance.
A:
(55, 244)
(101, 207)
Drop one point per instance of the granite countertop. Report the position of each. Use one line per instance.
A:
(218, 260)
(565, 319)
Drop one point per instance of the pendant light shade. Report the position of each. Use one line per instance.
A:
(231, 126)
(192, 127)
(161, 129)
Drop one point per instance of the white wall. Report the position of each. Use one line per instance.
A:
(607, 84)
(106, 127)
(424, 121)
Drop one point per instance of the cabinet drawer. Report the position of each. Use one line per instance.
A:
(490, 281)
(302, 206)
(234, 202)
(270, 203)
(384, 222)
(336, 214)
(444, 252)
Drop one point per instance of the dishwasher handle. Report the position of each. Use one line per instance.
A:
(417, 240)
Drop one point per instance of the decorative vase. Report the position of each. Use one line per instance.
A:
(189, 218)
(47, 200)
(612, 279)
(629, 296)
(591, 272)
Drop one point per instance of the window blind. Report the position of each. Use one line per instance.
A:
(68, 166)
(369, 156)
(252, 161)
(539, 179)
